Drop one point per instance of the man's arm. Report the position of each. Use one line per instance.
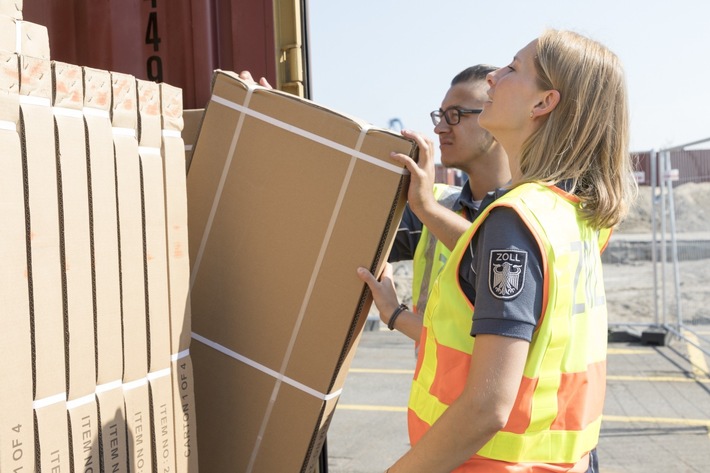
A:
(445, 224)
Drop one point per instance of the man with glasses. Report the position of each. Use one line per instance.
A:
(465, 146)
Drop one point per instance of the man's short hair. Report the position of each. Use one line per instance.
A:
(473, 73)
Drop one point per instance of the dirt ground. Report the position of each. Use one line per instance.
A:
(630, 285)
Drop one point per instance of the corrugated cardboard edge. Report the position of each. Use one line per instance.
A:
(363, 307)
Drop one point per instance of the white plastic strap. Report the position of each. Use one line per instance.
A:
(67, 112)
(180, 355)
(96, 112)
(8, 125)
(110, 386)
(172, 134)
(135, 384)
(311, 136)
(148, 150)
(159, 374)
(82, 401)
(124, 131)
(49, 401)
(32, 100)
(264, 369)
(188, 147)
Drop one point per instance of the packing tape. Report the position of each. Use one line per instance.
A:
(135, 384)
(32, 100)
(158, 374)
(67, 112)
(50, 400)
(110, 386)
(124, 131)
(8, 125)
(311, 136)
(96, 112)
(148, 150)
(218, 192)
(180, 355)
(274, 374)
(172, 134)
(82, 401)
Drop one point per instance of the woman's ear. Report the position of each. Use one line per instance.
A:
(548, 103)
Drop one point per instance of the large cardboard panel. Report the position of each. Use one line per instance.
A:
(276, 302)
(154, 221)
(133, 279)
(38, 139)
(73, 186)
(23, 37)
(179, 276)
(16, 421)
(75, 227)
(104, 235)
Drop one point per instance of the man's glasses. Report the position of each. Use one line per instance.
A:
(452, 115)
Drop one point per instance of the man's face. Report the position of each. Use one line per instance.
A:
(464, 143)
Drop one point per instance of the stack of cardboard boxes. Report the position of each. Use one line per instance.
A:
(108, 297)
(95, 271)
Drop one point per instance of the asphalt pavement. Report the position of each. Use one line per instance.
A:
(656, 415)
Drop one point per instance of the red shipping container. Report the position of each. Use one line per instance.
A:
(180, 42)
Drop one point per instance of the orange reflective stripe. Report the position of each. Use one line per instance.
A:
(451, 372)
(519, 419)
(579, 398)
(479, 464)
(416, 426)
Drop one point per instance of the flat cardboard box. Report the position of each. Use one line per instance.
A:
(285, 200)
(135, 333)
(68, 102)
(104, 228)
(193, 120)
(16, 422)
(12, 8)
(31, 39)
(173, 151)
(149, 149)
(38, 137)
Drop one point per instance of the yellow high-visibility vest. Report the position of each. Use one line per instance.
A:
(557, 414)
(431, 255)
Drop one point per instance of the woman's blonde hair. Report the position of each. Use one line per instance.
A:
(585, 138)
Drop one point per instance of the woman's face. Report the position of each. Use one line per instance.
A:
(513, 94)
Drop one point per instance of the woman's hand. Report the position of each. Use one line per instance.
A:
(383, 291)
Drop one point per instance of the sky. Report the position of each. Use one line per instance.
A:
(381, 60)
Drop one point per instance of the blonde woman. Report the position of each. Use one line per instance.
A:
(511, 370)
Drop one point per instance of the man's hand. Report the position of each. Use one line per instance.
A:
(246, 76)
